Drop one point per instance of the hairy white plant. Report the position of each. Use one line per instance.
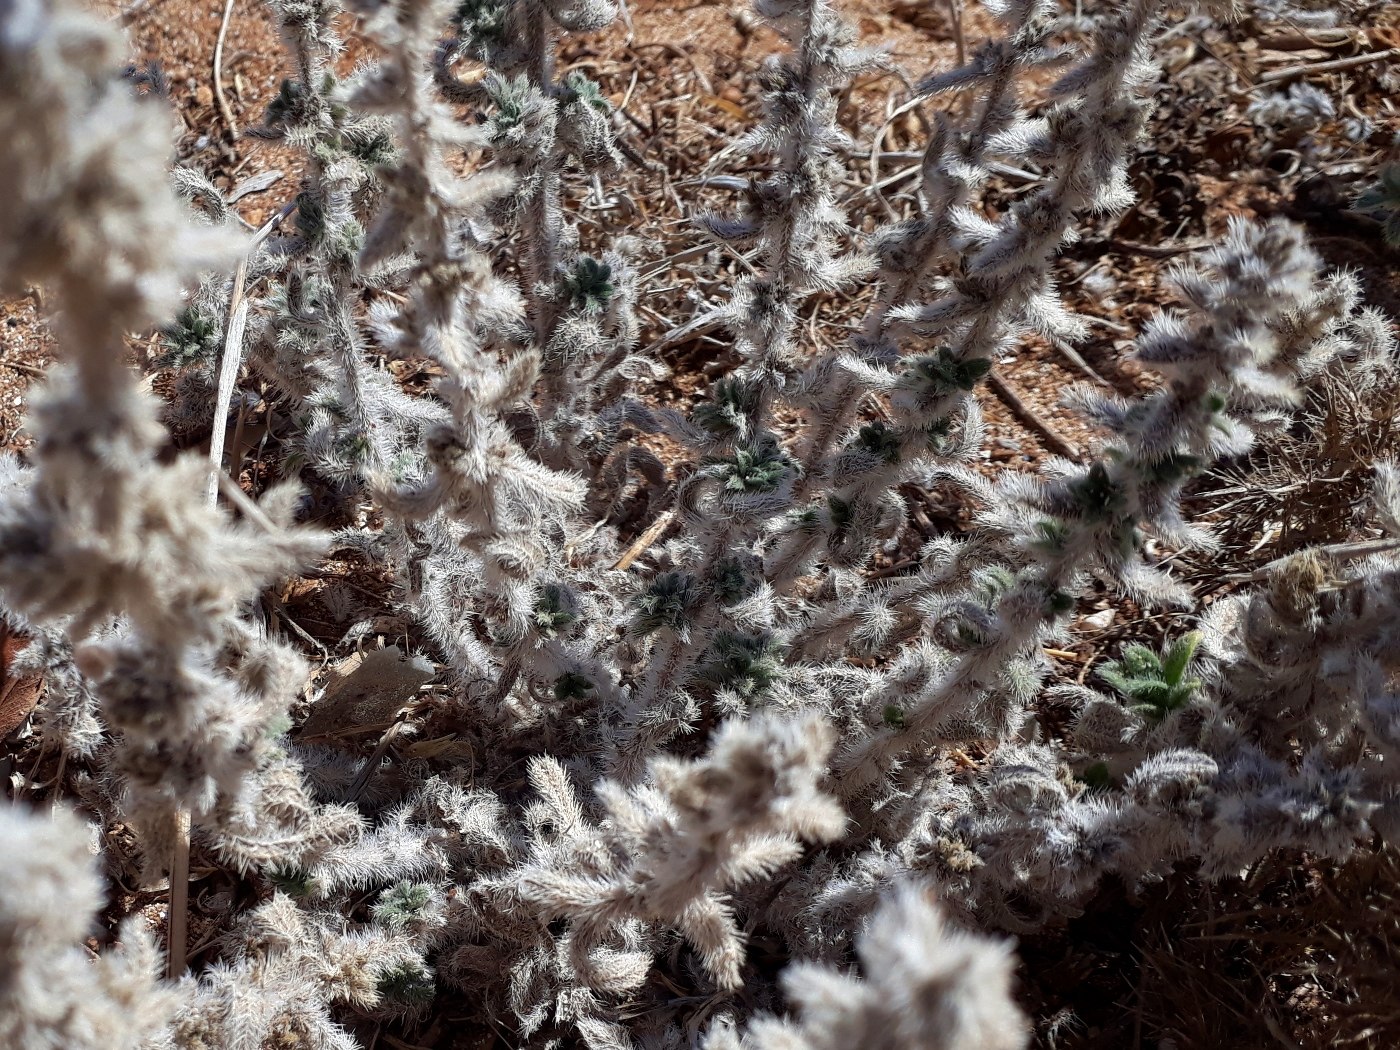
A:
(677, 614)
(671, 847)
(922, 986)
(53, 996)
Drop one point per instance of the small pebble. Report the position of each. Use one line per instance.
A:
(1100, 621)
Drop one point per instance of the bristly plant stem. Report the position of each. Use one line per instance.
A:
(546, 216)
(954, 165)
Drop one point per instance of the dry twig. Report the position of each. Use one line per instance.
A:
(224, 111)
(178, 922)
(1030, 417)
(1279, 76)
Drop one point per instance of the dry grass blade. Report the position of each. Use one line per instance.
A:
(232, 357)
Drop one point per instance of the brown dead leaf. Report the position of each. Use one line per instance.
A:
(732, 108)
(367, 689)
(18, 696)
(1385, 36)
